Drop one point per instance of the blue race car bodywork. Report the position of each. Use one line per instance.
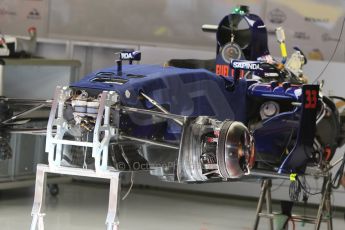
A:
(213, 119)
(199, 92)
(196, 120)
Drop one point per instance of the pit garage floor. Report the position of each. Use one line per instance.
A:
(82, 206)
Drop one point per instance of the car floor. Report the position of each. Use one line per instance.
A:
(83, 206)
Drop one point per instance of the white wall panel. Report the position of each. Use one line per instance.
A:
(149, 21)
(160, 55)
(16, 16)
(312, 25)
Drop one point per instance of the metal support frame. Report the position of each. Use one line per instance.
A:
(37, 213)
(102, 134)
(324, 213)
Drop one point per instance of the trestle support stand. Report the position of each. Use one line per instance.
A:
(324, 213)
(264, 195)
(102, 134)
(112, 220)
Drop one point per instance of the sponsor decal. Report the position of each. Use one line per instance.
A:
(245, 65)
(327, 38)
(4, 11)
(271, 74)
(125, 56)
(130, 55)
(316, 20)
(276, 16)
(301, 35)
(34, 14)
(222, 70)
(226, 71)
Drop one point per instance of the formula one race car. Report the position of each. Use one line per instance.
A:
(209, 121)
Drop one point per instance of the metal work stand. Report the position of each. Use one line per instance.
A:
(325, 206)
(99, 144)
(324, 213)
(112, 220)
(265, 193)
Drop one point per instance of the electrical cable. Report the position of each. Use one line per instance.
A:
(337, 97)
(294, 191)
(306, 187)
(278, 186)
(333, 54)
(336, 181)
(130, 187)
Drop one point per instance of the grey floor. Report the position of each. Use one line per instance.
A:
(82, 206)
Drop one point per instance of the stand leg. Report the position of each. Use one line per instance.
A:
(260, 203)
(326, 193)
(40, 222)
(269, 203)
(329, 207)
(112, 220)
(319, 212)
(38, 206)
(330, 221)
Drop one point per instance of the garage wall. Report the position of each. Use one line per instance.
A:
(149, 21)
(16, 16)
(313, 25)
(154, 21)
